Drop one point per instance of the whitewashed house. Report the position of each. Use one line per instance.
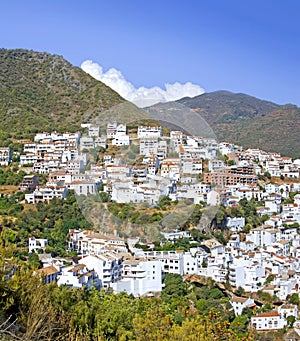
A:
(148, 146)
(235, 224)
(5, 158)
(87, 142)
(268, 321)
(286, 310)
(190, 264)
(121, 140)
(93, 130)
(139, 277)
(84, 187)
(46, 193)
(149, 132)
(107, 266)
(35, 244)
(49, 273)
(88, 243)
(78, 277)
(171, 261)
(27, 159)
(240, 303)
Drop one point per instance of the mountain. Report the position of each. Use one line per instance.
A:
(249, 121)
(44, 92)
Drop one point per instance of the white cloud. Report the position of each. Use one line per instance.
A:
(142, 96)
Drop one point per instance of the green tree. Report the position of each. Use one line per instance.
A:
(239, 325)
(174, 286)
(290, 321)
(294, 299)
(104, 197)
(240, 291)
(267, 175)
(8, 236)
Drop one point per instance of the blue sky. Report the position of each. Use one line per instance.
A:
(237, 45)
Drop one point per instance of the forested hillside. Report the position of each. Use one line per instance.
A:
(43, 92)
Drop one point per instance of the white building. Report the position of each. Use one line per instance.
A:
(93, 130)
(246, 274)
(5, 156)
(191, 166)
(87, 142)
(190, 264)
(121, 140)
(140, 277)
(78, 277)
(215, 164)
(46, 167)
(29, 158)
(107, 266)
(84, 187)
(113, 130)
(264, 236)
(150, 190)
(240, 303)
(288, 310)
(29, 183)
(29, 148)
(176, 140)
(50, 273)
(268, 321)
(35, 244)
(148, 146)
(100, 142)
(235, 224)
(147, 131)
(46, 193)
(88, 243)
(171, 236)
(72, 138)
(171, 261)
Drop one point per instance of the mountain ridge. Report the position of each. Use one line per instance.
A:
(40, 91)
(248, 121)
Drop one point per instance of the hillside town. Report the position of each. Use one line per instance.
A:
(142, 166)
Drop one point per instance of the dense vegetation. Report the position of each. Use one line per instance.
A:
(46, 220)
(31, 310)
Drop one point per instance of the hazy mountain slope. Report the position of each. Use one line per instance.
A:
(249, 121)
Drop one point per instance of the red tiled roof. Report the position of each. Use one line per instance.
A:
(268, 314)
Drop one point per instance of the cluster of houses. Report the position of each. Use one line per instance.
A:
(178, 165)
(181, 167)
(104, 262)
(107, 261)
